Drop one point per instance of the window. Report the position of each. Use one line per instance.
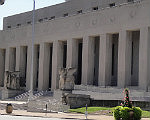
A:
(66, 14)
(53, 17)
(8, 26)
(80, 11)
(40, 20)
(95, 8)
(130, 0)
(112, 5)
(29, 22)
(18, 25)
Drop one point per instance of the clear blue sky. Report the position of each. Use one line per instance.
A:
(12, 7)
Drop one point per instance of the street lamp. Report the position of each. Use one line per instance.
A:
(32, 54)
(2, 2)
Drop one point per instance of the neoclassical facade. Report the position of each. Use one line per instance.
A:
(108, 41)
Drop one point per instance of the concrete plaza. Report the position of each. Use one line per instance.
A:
(75, 116)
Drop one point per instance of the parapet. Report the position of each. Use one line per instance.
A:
(68, 8)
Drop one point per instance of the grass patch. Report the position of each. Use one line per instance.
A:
(145, 114)
(90, 109)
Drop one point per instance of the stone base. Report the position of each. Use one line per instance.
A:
(51, 106)
(77, 100)
(5, 93)
(58, 94)
(111, 93)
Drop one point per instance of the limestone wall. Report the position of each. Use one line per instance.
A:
(71, 7)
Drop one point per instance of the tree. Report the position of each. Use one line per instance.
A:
(127, 102)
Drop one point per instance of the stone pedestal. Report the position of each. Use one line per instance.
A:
(77, 100)
(4, 93)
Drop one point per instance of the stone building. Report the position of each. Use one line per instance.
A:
(108, 41)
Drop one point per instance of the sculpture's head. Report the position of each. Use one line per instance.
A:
(71, 71)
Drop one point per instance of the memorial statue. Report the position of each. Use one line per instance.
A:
(12, 80)
(67, 78)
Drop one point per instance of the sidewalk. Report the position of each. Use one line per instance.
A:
(60, 115)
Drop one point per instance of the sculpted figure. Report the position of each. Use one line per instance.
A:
(62, 78)
(67, 78)
(15, 80)
(12, 80)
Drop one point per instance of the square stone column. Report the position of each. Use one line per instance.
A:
(6, 65)
(72, 53)
(88, 61)
(144, 58)
(2, 66)
(57, 63)
(35, 67)
(105, 60)
(7, 59)
(23, 61)
(44, 62)
(124, 58)
(12, 59)
(18, 56)
(10, 62)
(28, 74)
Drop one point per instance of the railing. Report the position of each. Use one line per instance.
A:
(36, 94)
(24, 95)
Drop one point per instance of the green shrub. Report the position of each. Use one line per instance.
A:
(116, 112)
(137, 113)
(125, 113)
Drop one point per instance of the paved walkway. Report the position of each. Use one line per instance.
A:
(13, 102)
(61, 115)
(56, 115)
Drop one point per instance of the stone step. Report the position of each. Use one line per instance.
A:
(97, 93)
(105, 89)
(36, 94)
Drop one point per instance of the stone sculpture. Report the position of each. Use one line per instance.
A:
(12, 80)
(67, 78)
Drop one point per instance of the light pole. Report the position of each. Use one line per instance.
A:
(2, 2)
(32, 54)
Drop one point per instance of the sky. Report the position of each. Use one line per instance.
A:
(12, 7)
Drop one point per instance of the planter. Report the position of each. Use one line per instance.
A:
(9, 108)
(131, 115)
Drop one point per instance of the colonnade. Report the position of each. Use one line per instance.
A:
(111, 59)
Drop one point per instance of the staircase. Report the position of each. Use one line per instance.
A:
(36, 94)
(111, 93)
(51, 102)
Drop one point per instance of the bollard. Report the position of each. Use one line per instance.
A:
(86, 113)
(46, 107)
(46, 110)
(9, 108)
